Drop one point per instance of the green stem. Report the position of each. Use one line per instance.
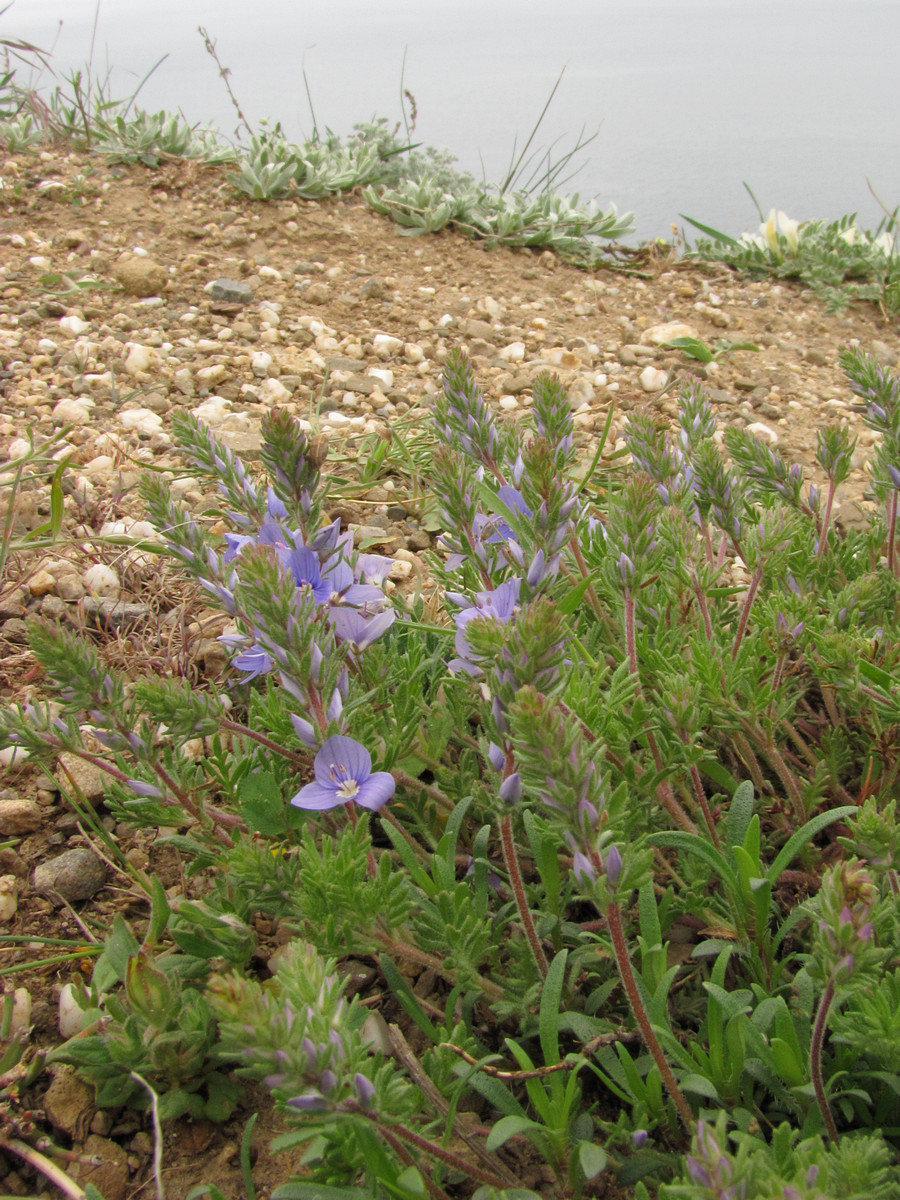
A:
(626, 973)
(815, 1060)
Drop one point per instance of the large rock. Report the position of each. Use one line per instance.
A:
(141, 276)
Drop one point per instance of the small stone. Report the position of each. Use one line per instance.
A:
(102, 581)
(14, 758)
(20, 816)
(883, 353)
(84, 777)
(373, 289)
(141, 358)
(657, 334)
(386, 346)
(41, 583)
(210, 376)
(260, 361)
(111, 1177)
(273, 391)
(116, 615)
(15, 630)
(514, 352)
(213, 656)
(75, 875)
(317, 293)
(69, 1103)
(817, 357)
(246, 445)
(363, 385)
(652, 379)
(74, 326)
(233, 291)
(479, 329)
(141, 276)
(762, 430)
(73, 411)
(141, 420)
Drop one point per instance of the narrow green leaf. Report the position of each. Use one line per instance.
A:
(804, 835)
(548, 1021)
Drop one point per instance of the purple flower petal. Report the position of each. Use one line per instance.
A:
(342, 759)
(317, 798)
(376, 790)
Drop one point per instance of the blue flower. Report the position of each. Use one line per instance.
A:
(343, 770)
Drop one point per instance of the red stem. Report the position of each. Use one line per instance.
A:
(515, 878)
(815, 1060)
(626, 973)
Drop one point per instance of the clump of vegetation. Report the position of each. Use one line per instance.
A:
(839, 261)
(658, 710)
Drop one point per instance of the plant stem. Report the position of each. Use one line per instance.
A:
(745, 612)
(626, 973)
(815, 1060)
(47, 1168)
(823, 536)
(244, 731)
(892, 531)
(515, 878)
(700, 795)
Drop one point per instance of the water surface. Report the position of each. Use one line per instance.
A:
(797, 97)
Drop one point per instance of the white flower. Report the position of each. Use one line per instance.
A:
(852, 235)
(780, 225)
(885, 243)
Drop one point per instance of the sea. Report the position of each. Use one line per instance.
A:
(687, 106)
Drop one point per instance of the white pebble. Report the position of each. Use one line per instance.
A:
(73, 411)
(101, 580)
(140, 359)
(260, 361)
(74, 326)
(18, 448)
(142, 420)
(213, 411)
(514, 352)
(9, 897)
(761, 429)
(652, 379)
(508, 403)
(13, 756)
(273, 391)
(383, 374)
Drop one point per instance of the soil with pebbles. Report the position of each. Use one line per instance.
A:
(113, 319)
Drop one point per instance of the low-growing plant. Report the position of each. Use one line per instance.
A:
(657, 710)
(839, 261)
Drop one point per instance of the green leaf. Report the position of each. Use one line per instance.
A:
(508, 1127)
(406, 998)
(573, 598)
(804, 835)
(715, 234)
(740, 812)
(591, 1159)
(699, 1085)
(548, 1021)
(693, 843)
(320, 1191)
(692, 347)
(262, 804)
